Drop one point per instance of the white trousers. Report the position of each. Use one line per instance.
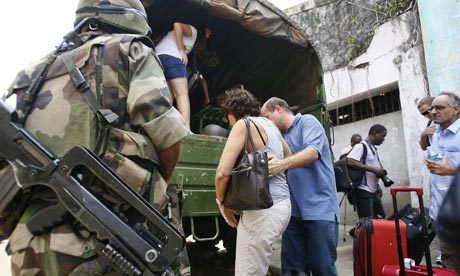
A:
(256, 232)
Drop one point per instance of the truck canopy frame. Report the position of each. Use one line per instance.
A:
(258, 47)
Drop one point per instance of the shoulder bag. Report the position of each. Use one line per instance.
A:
(355, 177)
(248, 188)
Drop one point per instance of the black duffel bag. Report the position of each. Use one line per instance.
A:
(413, 220)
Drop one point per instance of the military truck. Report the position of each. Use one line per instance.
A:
(260, 49)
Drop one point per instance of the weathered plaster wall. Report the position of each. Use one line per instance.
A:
(373, 69)
(392, 154)
(340, 30)
(393, 59)
(413, 86)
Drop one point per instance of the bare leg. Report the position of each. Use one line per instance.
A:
(179, 88)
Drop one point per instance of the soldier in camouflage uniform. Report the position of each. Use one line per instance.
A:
(124, 74)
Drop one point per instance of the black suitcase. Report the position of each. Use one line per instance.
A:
(408, 269)
(415, 244)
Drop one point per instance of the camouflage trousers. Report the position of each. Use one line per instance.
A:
(182, 264)
(58, 252)
(63, 252)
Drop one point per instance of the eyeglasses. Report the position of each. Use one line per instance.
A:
(438, 107)
(426, 112)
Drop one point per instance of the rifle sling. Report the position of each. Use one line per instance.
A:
(46, 218)
(83, 87)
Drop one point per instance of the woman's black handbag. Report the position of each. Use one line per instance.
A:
(248, 188)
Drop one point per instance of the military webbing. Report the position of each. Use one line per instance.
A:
(83, 87)
(72, 39)
(31, 93)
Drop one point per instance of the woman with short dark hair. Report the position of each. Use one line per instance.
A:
(257, 230)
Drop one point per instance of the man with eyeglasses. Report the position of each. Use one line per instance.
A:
(445, 110)
(424, 108)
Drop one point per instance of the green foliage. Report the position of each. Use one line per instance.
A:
(381, 12)
(394, 8)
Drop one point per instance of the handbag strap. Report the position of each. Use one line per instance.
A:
(362, 160)
(260, 134)
(249, 136)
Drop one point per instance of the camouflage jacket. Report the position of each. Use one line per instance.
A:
(125, 75)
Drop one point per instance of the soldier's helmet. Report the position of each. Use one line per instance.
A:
(120, 15)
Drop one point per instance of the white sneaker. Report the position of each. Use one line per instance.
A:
(438, 260)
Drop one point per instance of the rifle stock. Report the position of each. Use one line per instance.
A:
(131, 249)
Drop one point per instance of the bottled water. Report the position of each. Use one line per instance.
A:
(433, 155)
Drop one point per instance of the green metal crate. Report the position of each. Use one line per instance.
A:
(196, 171)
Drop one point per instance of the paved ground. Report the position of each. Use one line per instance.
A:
(216, 263)
(4, 261)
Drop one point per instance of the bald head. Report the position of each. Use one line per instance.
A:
(277, 110)
(355, 139)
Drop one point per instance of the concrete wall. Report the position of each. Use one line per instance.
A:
(394, 58)
(391, 61)
(392, 154)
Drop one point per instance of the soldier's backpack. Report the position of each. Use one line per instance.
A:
(55, 68)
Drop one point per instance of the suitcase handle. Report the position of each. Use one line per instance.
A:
(395, 190)
(419, 192)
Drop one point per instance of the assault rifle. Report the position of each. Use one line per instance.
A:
(129, 249)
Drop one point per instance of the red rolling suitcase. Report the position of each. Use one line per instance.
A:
(374, 245)
(409, 270)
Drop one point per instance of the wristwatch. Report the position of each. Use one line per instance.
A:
(219, 202)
